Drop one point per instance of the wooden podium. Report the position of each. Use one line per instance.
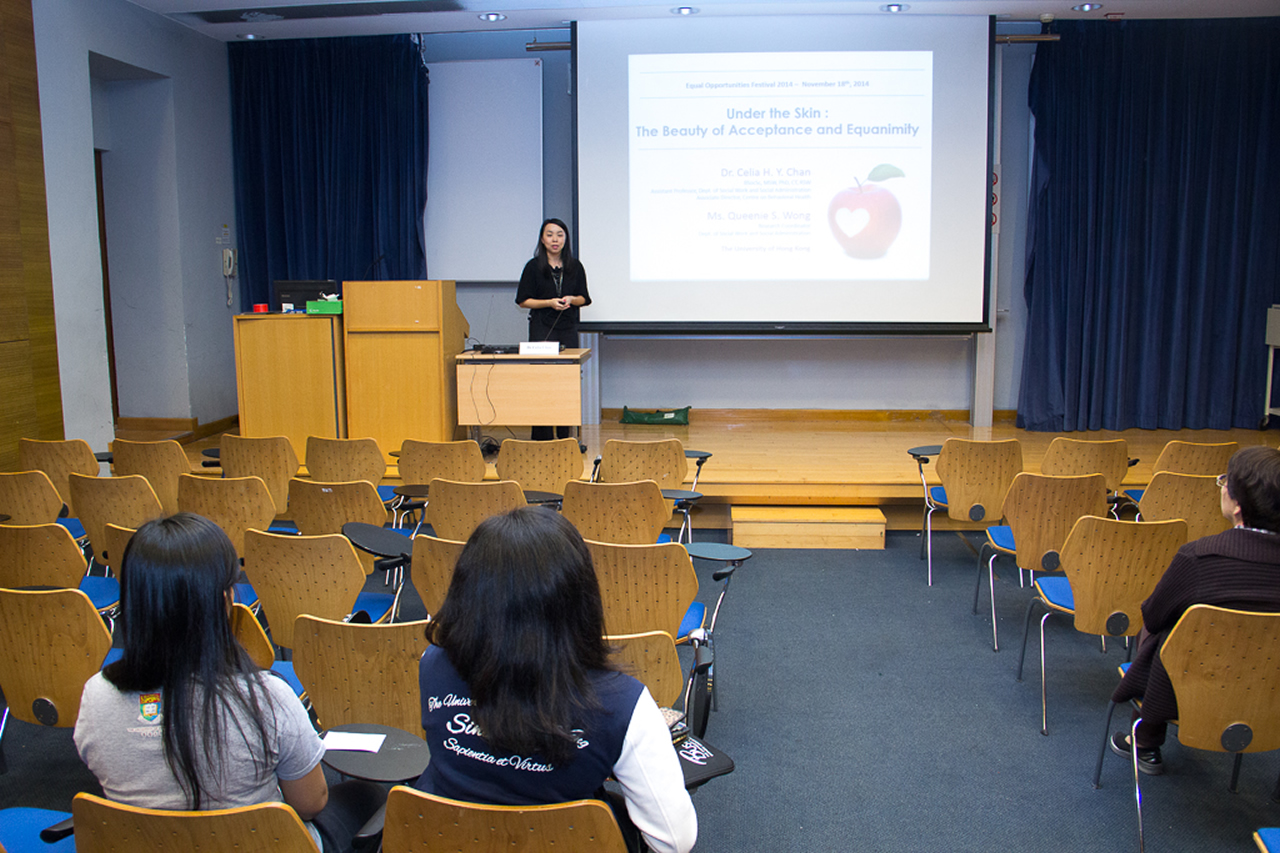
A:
(289, 376)
(521, 390)
(400, 339)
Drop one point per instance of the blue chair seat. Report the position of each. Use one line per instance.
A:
(244, 593)
(1057, 591)
(284, 669)
(1001, 536)
(114, 654)
(74, 527)
(103, 592)
(692, 621)
(663, 538)
(376, 604)
(283, 527)
(938, 495)
(1270, 837)
(387, 494)
(20, 831)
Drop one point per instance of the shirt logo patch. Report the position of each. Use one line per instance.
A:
(149, 709)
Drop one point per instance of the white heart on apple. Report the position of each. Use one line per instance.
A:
(852, 221)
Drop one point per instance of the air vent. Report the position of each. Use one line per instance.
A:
(335, 10)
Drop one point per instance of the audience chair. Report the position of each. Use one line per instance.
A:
(542, 466)
(626, 513)
(1071, 457)
(51, 642)
(45, 555)
(336, 460)
(103, 826)
(418, 821)
(271, 458)
(664, 462)
(235, 504)
(651, 658)
(424, 461)
(319, 508)
(117, 538)
(126, 501)
(1195, 498)
(24, 830)
(58, 459)
(1186, 457)
(249, 633)
(455, 509)
(1041, 510)
(975, 476)
(361, 673)
(161, 462)
(28, 497)
(647, 588)
(1109, 568)
(319, 575)
(433, 562)
(1225, 669)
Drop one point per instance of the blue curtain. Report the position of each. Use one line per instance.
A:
(330, 145)
(1154, 225)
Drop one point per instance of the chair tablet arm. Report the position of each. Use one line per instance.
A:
(721, 574)
(57, 832)
(1134, 461)
(390, 564)
(371, 833)
(595, 468)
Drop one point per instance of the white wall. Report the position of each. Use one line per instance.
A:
(178, 346)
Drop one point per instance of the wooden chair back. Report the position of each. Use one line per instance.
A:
(976, 476)
(1195, 498)
(117, 538)
(1113, 566)
(125, 501)
(53, 641)
(424, 461)
(103, 826)
(1225, 669)
(58, 459)
(270, 457)
(1070, 457)
(34, 555)
(249, 633)
(292, 575)
(643, 587)
(361, 673)
(626, 513)
(161, 462)
(336, 460)
(235, 504)
(455, 509)
(1188, 457)
(28, 497)
(661, 461)
(1041, 510)
(424, 823)
(650, 658)
(320, 507)
(432, 568)
(543, 466)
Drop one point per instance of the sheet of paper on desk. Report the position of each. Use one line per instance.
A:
(353, 742)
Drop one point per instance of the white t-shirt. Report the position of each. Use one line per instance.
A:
(118, 736)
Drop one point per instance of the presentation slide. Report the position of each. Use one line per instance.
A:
(798, 174)
(802, 166)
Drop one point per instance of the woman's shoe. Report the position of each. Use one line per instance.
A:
(1149, 760)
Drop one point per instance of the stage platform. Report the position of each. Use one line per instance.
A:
(824, 458)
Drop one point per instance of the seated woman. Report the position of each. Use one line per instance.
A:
(185, 720)
(1239, 569)
(519, 702)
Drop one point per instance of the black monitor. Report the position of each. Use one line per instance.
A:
(299, 293)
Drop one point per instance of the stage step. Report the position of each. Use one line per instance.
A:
(808, 527)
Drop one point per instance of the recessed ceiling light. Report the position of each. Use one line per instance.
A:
(248, 36)
(1086, 7)
(894, 7)
(684, 10)
(492, 17)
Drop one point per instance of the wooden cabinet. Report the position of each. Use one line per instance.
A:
(290, 376)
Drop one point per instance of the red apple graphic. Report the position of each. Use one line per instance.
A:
(880, 208)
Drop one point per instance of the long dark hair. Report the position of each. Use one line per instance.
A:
(566, 253)
(175, 576)
(523, 625)
(1253, 482)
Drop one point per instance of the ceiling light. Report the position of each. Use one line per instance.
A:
(248, 36)
(1086, 7)
(492, 17)
(895, 7)
(684, 10)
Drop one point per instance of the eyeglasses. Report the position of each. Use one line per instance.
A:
(1222, 481)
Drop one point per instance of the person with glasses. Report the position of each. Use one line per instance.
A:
(1239, 569)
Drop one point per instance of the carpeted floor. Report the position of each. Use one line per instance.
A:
(866, 711)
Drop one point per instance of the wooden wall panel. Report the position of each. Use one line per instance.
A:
(30, 392)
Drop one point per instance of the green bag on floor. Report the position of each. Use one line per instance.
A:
(677, 417)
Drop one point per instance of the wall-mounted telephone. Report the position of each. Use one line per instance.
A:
(229, 262)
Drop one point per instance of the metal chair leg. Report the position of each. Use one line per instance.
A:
(1102, 751)
(1137, 788)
